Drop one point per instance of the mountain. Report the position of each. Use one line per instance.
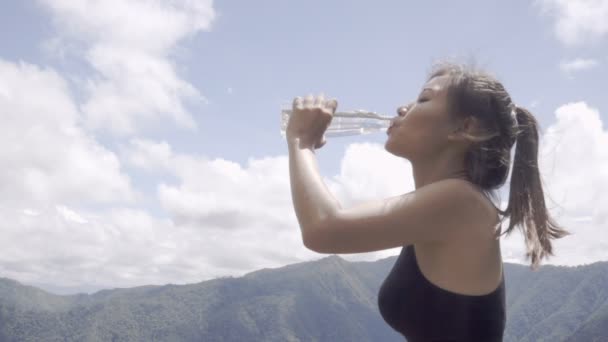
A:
(329, 299)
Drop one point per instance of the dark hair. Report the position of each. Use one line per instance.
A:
(472, 92)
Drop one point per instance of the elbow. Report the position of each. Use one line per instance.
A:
(308, 245)
(318, 243)
(309, 242)
(316, 235)
(315, 248)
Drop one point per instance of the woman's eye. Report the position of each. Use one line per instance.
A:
(423, 100)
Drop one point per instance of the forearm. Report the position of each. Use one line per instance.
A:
(312, 200)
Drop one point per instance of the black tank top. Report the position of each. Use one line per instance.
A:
(423, 312)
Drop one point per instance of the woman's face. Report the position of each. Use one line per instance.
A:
(421, 128)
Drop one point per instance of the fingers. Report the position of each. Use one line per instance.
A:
(326, 105)
(311, 102)
(298, 103)
(331, 105)
(321, 143)
(319, 101)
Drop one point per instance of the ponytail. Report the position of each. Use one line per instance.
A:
(526, 199)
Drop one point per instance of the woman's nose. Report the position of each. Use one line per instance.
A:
(402, 110)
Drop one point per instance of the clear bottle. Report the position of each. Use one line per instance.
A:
(348, 123)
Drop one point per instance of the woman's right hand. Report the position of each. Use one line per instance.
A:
(309, 120)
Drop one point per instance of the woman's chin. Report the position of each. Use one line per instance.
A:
(387, 146)
(390, 148)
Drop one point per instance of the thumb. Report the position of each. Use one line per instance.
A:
(321, 143)
(332, 104)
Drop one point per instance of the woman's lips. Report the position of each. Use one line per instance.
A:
(391, 126)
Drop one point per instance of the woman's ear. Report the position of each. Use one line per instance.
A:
(466, 131)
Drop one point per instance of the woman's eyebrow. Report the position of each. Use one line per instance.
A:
(431, 89)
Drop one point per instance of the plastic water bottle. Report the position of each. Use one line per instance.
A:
(347, 123)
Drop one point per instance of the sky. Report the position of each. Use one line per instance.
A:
(140, 142)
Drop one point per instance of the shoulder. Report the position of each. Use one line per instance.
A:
(454, 189)
(483, 212)
(454, 201)
(462, 189)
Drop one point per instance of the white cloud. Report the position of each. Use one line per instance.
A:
(128, 247)
(578, 21)
(148, 155)
(129, 44)
(51, 166)
(574, 170)
(574, 162)
(230, 199)
(46, 157)
(217, 206)
(220, 195)
(368, 172)
(83, 248)
(69, 214)
(578, 64)
(30, 212)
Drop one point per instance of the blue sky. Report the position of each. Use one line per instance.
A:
(143, 141)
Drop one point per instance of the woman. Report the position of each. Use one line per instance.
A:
(448, 283)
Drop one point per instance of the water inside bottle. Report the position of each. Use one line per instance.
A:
(348, 123)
